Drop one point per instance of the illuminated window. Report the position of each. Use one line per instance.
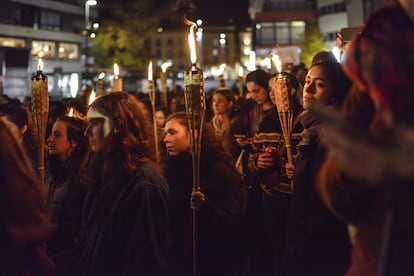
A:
(12, 42)
(43, 49)
(68, 51)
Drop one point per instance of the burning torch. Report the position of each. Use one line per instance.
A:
(164, 87)
(40, 108)
(195, 105)
(151, 93)
(283, 99)
(117, 85)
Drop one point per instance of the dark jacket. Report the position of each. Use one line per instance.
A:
(219, 220)
(65, 195)
(128, 236)
(317, 243)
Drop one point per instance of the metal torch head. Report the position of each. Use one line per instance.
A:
(39, 93)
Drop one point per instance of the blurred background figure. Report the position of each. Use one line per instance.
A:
(227, 121)
(367, 180)
(300, 71)
(67, 149)
(24, 222)
(19, 121)
(160, 119)
(264, 132)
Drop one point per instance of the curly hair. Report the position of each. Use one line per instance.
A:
(132, 143)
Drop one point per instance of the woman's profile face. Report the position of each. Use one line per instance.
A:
(159, 119)
(318, 88)
(177, 138)
(58, 143)
(220, 104)
(99, 130)
(259, 93)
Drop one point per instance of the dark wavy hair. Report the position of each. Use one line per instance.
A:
(20, 116)
(75, 128)
(260, 77)
(133, 142)
(333, 70)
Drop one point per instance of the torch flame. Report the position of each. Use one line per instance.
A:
(92, 97)
(150, 71)
(70, 113)
(277, 62)
(116, 70)
(241, 73)
(191, 42)
(40, 65)
(102, 75)
(164, 66)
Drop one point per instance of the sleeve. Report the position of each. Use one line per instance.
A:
(349, 199)
(225, 195)
(146, 247)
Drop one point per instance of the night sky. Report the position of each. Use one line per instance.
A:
(221, 12)
(216, 12)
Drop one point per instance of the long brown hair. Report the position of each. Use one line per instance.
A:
(133, 141)
(23, 212)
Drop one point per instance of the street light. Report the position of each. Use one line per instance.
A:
(88, 4)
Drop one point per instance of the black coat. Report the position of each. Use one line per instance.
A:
(219, 220)
(128, 236)
(317, 243)
(65, 194)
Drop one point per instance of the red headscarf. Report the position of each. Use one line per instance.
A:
(381, 58)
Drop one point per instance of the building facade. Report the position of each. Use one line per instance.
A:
(279, 25)
(221, 50)
(51, 30)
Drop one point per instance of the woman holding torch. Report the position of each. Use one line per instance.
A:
(317, 242)
(220, 203)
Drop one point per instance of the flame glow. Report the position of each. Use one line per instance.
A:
(70, 113)
(150, 78)
(277, 62)
(102, 75)
(191, 42)
(40, 65)
(116, 70)
(241, 73)
(164, 66)
(92, 97)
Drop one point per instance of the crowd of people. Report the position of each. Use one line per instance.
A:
(114, 203)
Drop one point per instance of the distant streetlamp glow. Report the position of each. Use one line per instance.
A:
(88, 4)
